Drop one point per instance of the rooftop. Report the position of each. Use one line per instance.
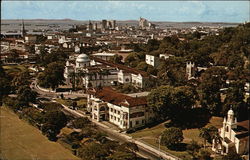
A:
(107, 94)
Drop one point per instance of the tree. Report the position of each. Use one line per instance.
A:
(204, 155)
(80, 122)
(232, 155)
(52, 76)
(21, 79)
(204, 133)
(93, 151)
(212, 81)
(14, 55)
(171, 137)
(54, 122)
(160, 101)
(235, 97)
(132, 147)
(193, 148)
(4, 84)
(170, 102)
(26, 95)
(120, 155)
(116, 59)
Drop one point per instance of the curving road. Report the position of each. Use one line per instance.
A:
(145, 151)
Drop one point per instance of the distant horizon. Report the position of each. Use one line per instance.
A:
(65, 19)
(167, 11)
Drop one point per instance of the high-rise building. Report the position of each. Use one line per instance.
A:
(113, 24)
(143, 23)
(104, 24)
(90, 26)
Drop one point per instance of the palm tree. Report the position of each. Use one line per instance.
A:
(72, 76)
(204, 133)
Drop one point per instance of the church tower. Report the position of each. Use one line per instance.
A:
(229, 123)
(190, 70)
(23, 30)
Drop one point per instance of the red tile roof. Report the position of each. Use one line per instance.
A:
(121, 67)
(244, 124)
(107, 94)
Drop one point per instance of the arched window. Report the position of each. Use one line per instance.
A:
(227, 129)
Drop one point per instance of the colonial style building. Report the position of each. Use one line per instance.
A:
(152, 60)
(126, 112)
(233, 135)
(96, 72)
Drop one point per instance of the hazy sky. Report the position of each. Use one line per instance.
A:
(206, 11)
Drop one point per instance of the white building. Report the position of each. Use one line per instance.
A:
(166, 56)
(105, 56)
(233, 135)
(96, 72)
(124, 111)
(30, 38)
(152, 60)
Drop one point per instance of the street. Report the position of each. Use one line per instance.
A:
(145, 151)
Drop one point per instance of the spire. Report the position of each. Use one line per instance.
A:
(23, 29)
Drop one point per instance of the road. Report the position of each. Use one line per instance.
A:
(114, 135)
(144, 150)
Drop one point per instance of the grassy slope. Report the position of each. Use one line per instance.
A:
(150, 135)
(19, 140)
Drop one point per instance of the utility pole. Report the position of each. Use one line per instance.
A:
(159, 138)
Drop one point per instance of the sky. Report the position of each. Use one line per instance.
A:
(176, 11)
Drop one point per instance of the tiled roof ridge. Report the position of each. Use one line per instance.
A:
(122, 67)
(112, 96)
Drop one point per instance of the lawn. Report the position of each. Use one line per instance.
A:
(150, 135)
(14, 68)
(68, 102)
(20, 141)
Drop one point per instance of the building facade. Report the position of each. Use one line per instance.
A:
(233, 135)
(96, 72)
(152, 60)
(124, 111)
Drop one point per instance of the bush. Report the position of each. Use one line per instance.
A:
(171, 137)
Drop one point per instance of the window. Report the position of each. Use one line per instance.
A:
(118, 119)
(115, 118)
(127, 79)
(142, 121)
(137, 122)
(130, 124)
(114, 110)
(227, 129)
(111, 109)
(118, 112)
(111, 117)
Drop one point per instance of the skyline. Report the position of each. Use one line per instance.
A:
(175, 11)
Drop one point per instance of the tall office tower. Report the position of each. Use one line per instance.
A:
(104, 24)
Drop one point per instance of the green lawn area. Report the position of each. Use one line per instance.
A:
(64, 101)
(14, 68)
(20, 141)
(68, 102)
(150, 135)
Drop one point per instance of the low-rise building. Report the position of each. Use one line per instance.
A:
(95, 72)
(233, 135)
(122, 110)
(152, 60)
(104, 55)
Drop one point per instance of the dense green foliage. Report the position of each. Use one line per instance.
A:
(52, 76)
(171, 137)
